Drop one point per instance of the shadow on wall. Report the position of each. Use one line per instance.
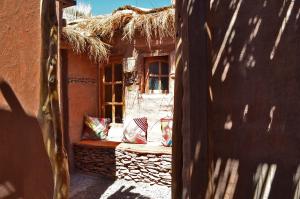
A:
(25, 170)
(255, 99)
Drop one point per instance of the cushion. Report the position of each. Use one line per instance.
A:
(95, 128)
(166, 128)
(135, 131)
(115, 133)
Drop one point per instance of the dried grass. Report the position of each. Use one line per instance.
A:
(92, 35)
(152, 26)
(96, 49)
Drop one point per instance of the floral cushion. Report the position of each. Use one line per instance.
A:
(95, 128)
(135, 131)
(166, 128)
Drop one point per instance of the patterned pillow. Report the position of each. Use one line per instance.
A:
(166, 128)
(135, 131)
(95, 128)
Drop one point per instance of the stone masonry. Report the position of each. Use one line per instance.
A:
(149, 168)
(132, 165)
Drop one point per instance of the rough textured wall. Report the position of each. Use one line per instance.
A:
(152, 106)
(255, 98)
(82, 93)
(252, 107)
(82, 75)
(191, 152)
(25, 170)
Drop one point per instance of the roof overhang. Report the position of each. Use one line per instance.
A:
(67, 3)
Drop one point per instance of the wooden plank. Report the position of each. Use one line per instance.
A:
(97, 144)
(113, 103)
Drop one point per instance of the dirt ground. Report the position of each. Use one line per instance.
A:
(84, 186)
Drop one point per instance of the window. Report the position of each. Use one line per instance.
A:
(112, 92)
(157, 75)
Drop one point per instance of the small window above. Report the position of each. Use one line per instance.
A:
(157, 74)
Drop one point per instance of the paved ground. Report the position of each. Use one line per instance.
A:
(93, 187)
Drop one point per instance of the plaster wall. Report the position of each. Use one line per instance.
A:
(152, 106)
(25, 170)
(82, 94)
(255, 87)
(239, 109)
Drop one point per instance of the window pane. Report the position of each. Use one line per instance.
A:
(118, 72)
(108, 112)
(107, 73)
(165, 83)
(153, 83)
(119, 114)
(108, 93)
(119, 92)
(164, 68)
(154, 68)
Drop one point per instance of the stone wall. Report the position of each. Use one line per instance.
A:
(95, 160)
(148, 167)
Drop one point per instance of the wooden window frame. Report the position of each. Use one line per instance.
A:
(113, 83)
(160, 60)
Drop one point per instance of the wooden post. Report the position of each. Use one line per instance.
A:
(49, 116)
(191, 141)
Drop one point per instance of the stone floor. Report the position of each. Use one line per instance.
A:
(85, 186)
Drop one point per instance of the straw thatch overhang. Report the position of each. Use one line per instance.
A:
(95, 35)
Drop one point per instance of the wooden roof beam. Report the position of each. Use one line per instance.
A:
(68, 3)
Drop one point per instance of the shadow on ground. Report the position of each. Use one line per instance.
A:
(84, 186)
(126, 193)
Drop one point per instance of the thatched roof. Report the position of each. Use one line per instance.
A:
(94, 34)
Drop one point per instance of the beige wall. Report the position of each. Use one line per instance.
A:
(152, 106)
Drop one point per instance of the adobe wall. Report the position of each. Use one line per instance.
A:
(82, 93)
(152, 106)
(25, 170)
(138, 103)
(248, 145)
(255, 89)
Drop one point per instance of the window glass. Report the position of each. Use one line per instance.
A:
(154, 68)
(108, 93)
(119, 92)
(108, 112)
(153, 83)
(165, 83)
(107, 73)
(164, 68)
(118, 72)
(119, 114)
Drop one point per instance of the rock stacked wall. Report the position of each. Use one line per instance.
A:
(150, 168)
(95, 160)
